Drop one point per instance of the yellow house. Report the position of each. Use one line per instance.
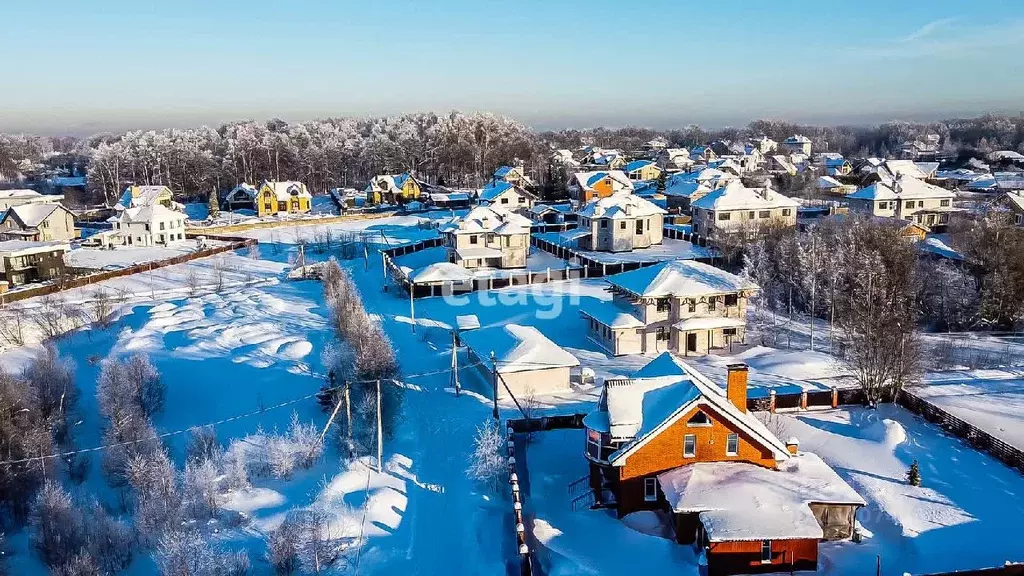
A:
(642, 170)
(393, 188)
(283, 198)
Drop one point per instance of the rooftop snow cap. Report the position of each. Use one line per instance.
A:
(793, 445)
(736, 385)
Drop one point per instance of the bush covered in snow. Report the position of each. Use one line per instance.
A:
(488, 464)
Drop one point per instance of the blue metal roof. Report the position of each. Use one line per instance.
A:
(503, 171)
(636, 165)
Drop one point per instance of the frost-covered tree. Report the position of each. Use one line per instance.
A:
(488, 462)
(186, 552)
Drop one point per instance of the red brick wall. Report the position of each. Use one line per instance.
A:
(745, 557)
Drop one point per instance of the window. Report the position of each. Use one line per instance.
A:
(689, 445)
(731, 299)
(786, 211)
(622, 225)
(594, 443)
(604, 223)
(732, 445)
(920, 203)
(161, 225)
(504, 200)
(728, 331)
(883, 205)
(522, 199)
(699, 419)
(764, 214)
(662, 334)
(472, 239)
(724, 216)
(639, 226)
(691, 306)
(910, 204)
(664, 304)
(766, 551)
(650, 489)
(712, 304)
(944, 203)
(750, 215)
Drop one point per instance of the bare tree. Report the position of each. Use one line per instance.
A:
(283, 547)
(487, 463)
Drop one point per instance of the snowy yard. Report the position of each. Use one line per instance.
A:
(669, 249)
(962, 516)
(991, 400)
(125, 256)
(256, 343)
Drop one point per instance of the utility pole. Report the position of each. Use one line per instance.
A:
(455, 363)
(348, 419)
(494, 385)
(380, 433)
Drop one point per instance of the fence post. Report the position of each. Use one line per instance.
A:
(803, 400)
(771, 401)
(835, 397)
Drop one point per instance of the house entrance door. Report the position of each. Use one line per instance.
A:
(691, 342)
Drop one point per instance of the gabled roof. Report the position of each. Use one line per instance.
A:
(503, 171)
(902, 188)
(636, 165)
(662, 392)
(19, 194)
(286, 190)
(32, 215)
(1016, 200)
(735, 196)
(587, 180)
(825, 182)
(797, 139)
(621, 205)
(540, 209)
(496, 189)
(681, 279)
(139, 196)
(145, 214)
(26, 247)
(516, 348)
(488, 219)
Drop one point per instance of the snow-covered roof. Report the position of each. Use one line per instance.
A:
(611, 314)
(26, 247)
(245, 188)
(488, 219)
(32, 215)
(1002, 155)
(587, 180)
(19, 194)
(663, 391)
(679, 278)
(467, 322)
(140, 196)
(904, 187)
(1009, 180)
(492, 191)
(474, 252)
(503, 171)
(743, 501)
(68, 181)
(735, 196)
(827, 182)
(620, 205)
(683, 188)
(797, 139)
(517, 349)
(441, 272)
(636, 165)
(285, 191)
(145, 214)
(1016, 200)
(541, 209)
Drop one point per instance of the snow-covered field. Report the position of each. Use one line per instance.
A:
(992, 400)
(962, 516)
(256, 343)
(124, 256)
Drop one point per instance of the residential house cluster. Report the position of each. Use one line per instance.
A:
(31, 216)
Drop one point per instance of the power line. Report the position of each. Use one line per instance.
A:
(215, 423)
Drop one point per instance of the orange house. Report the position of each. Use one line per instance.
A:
(670, 439)
(587, 186)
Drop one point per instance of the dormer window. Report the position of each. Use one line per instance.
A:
(699, 419)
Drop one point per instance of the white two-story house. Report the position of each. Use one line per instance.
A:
(152, 225)
(734, 208)
(906, 198)
(488, 237)
(620, 223)
(681, 306)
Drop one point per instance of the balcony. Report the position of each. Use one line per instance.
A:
(599, 445)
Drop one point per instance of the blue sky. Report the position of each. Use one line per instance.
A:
(81, 66)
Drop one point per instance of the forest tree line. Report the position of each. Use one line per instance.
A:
(454, 149)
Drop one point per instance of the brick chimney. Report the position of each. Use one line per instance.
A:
(736, 385)
(793, 445)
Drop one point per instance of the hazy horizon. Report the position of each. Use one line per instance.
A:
(550, 65)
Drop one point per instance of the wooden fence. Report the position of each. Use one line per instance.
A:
(591, 268)
(234, 243)
(243, 226)
(979, 439)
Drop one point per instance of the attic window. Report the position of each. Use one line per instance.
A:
(699, 419)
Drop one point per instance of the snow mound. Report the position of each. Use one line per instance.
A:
(646, 522)
(886, 432)
(296, 350)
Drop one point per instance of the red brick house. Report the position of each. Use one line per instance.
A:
(670, 439)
